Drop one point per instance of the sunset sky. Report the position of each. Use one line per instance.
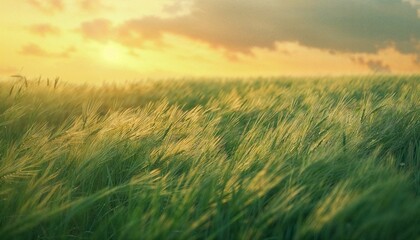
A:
(108, 40)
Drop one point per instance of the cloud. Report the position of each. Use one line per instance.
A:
(103, 30)
(376, 66)
(55, 6)
(177, 7)
(414, 3)
(5, 70)
(44, 29)
(37, 51)
(362, 26)
(93, 5)
(47, 6)
(99, 29)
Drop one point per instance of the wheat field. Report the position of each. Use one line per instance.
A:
(286, 158)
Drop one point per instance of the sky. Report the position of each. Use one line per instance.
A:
(108, 40)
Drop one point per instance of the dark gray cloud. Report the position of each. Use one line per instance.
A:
(362, 26)
(376, 66)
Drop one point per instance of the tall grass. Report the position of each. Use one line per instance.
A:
(234, 159)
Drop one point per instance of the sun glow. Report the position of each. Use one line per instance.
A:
(113, 53)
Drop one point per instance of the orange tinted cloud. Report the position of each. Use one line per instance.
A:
(103, 30)
(44, 29)
(4, 70)
(47, 6)
(54, 6)
(363, 26)
(37, 51)
(93, 5)
(99, 29)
